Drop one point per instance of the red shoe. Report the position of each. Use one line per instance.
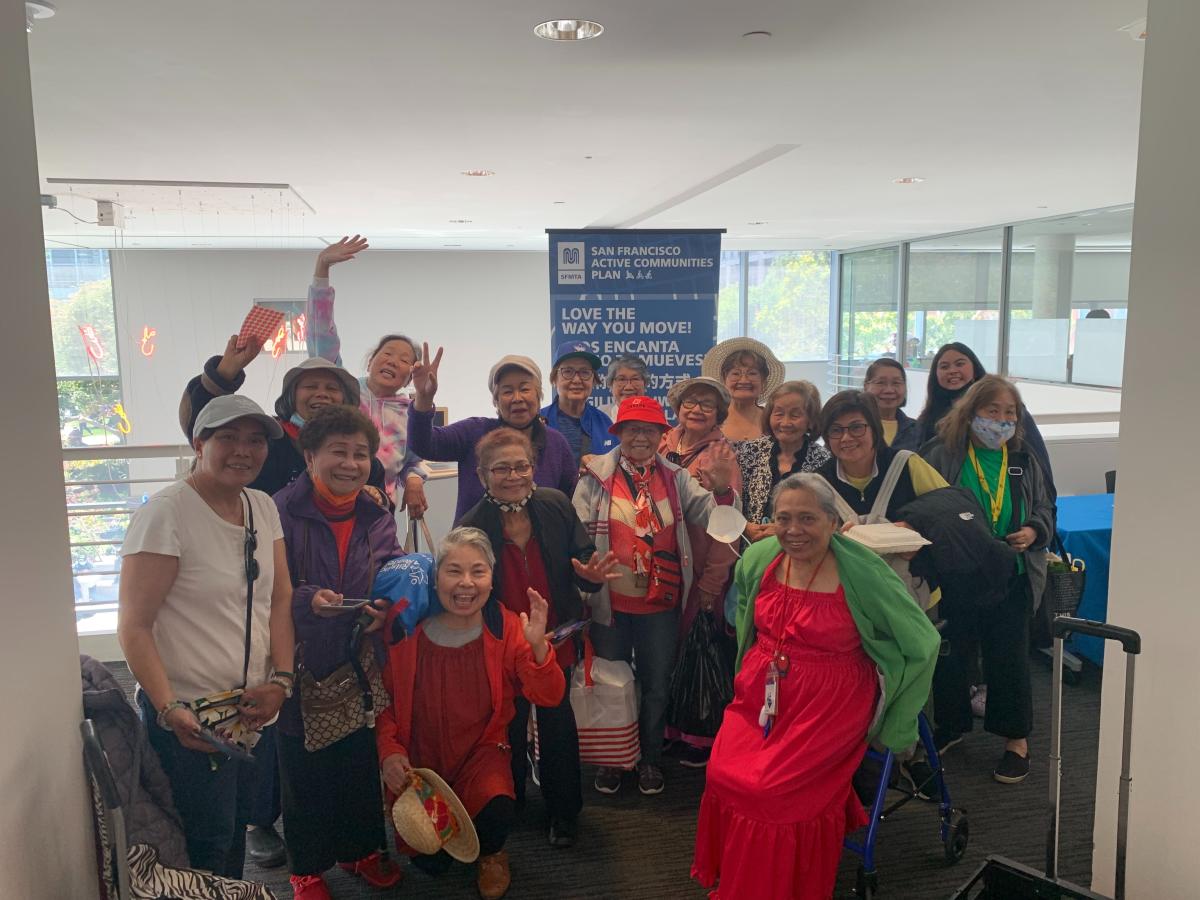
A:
(376, 870)
(310, 887)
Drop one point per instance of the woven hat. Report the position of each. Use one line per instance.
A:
(286, 404)
(715, 358)
(675, 395)
(639, 409)
(429, 817)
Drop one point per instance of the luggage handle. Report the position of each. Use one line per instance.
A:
(98, 765)
(1129, 639)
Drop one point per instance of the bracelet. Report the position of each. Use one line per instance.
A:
(280, 673)
(284, 683)
(162, 713)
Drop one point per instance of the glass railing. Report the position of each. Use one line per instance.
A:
(103, 486)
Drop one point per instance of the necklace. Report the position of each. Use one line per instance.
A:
(996, 500)
(779, 659)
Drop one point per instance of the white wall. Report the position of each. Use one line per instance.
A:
(1152, 587)
(479, 305)
(46, 847)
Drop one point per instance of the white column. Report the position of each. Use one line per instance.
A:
(1154, 579)
(46, 847)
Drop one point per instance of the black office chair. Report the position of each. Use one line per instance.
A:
(1110, 481)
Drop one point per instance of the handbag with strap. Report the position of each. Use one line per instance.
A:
(412, 543)
(605, 703)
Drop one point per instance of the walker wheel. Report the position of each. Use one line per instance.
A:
(866, 885)
(958, 835)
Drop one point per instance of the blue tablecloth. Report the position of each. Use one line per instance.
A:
(1085, 528)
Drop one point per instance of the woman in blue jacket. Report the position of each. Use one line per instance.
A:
(574, 376)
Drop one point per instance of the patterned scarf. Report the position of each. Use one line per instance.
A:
(504, 506)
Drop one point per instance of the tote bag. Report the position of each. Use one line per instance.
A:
(604, 700)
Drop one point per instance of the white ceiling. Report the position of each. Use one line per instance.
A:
(370, 110)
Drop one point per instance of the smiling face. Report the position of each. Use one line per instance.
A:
(315, 390)
(516, 398)
(640, 440)
(744, 379)
(390, 368)
(574, 378)
(342, 462)
(789, 419)
(233, 454)
(627, 383)
(464, 581)
(889, 390)
(851, 440)
(698, 411)
(508, 474)
(954, 370)
(802, 526)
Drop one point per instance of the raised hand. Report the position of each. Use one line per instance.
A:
(236, 358)
(533, 624)
(598, 569)
(716, 477)
(425, 378)
(346, 248)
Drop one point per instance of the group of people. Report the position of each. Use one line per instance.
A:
(253, 583)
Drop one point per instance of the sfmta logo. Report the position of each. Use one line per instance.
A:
(570, 256)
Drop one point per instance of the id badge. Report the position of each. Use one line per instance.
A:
(771, 695)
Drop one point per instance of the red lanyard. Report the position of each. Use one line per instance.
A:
(778, 658)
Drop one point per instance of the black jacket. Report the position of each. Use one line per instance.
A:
(862, 502)
(908, 433)
(285, 460)
(561, 538)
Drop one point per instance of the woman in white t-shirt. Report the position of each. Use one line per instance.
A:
(190, 626)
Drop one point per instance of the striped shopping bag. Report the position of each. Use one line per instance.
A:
(604, 699)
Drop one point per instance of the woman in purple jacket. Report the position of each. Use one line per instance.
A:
(516, 386)
(337, 539)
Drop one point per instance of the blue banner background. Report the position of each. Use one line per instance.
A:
(651, 293)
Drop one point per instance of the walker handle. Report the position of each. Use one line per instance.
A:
(1129, 639)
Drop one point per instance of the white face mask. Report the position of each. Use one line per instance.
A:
(993, 434)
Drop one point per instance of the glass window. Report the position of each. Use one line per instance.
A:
(729, 296)
(1068, 298)
(788, 302)
(954, 295)
(869, 304)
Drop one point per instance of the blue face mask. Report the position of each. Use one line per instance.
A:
(296, 420)
(993, 434)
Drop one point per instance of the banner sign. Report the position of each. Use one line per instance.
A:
(648, 293)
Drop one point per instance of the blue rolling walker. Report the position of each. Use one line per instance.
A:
(954, 832)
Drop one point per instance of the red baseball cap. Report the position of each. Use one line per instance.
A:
(639, 409)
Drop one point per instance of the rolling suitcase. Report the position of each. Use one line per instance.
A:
(1004, 879)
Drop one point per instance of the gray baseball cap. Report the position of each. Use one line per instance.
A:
(225, 409)
(286, 404)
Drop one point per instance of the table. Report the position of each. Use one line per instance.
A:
(1085, 528)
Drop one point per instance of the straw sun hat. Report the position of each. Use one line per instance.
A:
(715, 358)
(429, 817)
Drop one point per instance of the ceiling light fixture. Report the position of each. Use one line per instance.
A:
(460, 221)
(479, 173)
(451, 245)
(757, 223)
(757, 34)
(568, 30)
(559, 202)
(908, 179)
(37, 9)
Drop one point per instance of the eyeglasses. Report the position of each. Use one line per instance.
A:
(503, 470)
(854, 429)
(622, 380)
(880, 383)
(249, 546)
(744, 373)
(692, 403)
(572, 374)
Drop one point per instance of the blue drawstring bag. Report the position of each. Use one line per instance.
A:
(404, 582)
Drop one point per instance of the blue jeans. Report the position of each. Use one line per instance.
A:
(213, 795)
(649, 642)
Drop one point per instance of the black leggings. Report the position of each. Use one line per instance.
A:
(558, 741)
(1002, 637)
(493, 824)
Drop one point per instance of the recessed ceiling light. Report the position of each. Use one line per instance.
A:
(479, 173)
(587, 157)
(451, 245)
(569, 30)
(757, 223)
(757, 34)
(559, 202)
(1043, 207)
(460, 221)
(908, 179)
(37, 9)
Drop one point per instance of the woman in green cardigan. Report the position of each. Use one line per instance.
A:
(832, 652)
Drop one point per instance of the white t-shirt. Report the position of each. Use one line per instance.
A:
(200, 631)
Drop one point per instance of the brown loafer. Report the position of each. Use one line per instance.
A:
(494, 877)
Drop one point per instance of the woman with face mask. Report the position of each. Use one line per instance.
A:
(979, 446)
(954, 369)
(389, 370)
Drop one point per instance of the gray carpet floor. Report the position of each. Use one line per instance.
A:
(632, 846)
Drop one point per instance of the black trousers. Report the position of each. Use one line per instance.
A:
(213, 795)
(558, 743)
(1002, 637)
(493, 824)
(332, 801)
(264, 812)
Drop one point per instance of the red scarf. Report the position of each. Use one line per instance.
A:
(338, 510)
(642, 534)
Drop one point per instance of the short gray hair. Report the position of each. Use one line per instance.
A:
(464, 537)
(815, 485)
(627, 361)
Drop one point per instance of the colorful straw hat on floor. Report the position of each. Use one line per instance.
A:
(429, 817)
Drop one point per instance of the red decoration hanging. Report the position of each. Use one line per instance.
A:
(91, 342)
(146, 341)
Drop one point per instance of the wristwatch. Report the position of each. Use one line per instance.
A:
(161, 719)
(285, 681)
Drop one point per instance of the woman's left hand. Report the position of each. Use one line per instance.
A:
(717, 477)
(598, 569)
(259, 705)
(414, 501)
(707, 601)
(377, 610)
(533, 624)
(1022, 539)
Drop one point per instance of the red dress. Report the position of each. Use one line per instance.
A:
(776, 810)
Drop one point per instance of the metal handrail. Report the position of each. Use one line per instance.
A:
(123, 451)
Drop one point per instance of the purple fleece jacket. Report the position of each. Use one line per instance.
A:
(553, 468)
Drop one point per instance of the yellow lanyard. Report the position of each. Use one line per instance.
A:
(996, 499)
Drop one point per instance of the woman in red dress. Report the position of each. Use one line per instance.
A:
(822, 623)
(453, 683)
